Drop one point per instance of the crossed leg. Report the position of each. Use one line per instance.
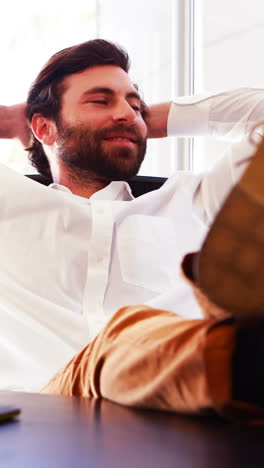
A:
(146, 357)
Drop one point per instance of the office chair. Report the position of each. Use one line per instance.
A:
(138, 184)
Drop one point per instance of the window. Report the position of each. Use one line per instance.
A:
(230, 48)
(155, 33)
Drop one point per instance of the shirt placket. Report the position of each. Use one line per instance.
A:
(99, 254)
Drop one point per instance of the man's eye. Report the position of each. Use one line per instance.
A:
(99, 101)
(136, 108)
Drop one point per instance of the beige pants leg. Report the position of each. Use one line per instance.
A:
(146, 357)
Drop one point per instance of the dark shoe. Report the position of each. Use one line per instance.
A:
(230, 266)
(247, 364)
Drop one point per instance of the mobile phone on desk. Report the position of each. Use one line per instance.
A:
(8, 412)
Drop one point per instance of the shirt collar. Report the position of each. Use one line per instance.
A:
(117, 190)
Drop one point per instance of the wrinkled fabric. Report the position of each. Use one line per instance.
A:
(145, 357)
(151, 358)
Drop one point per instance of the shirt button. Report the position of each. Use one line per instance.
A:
(99, 258)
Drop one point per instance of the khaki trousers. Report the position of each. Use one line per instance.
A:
(151, 358)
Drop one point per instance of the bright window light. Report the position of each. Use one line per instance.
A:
(230, 57)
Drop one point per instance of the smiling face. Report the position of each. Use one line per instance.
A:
(101, 128)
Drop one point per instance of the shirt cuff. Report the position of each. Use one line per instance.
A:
(188, 118)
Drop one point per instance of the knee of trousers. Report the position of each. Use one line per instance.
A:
(156, 359)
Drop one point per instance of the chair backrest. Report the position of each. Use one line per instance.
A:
(139, 184)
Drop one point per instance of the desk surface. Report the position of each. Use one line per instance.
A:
(64, 432)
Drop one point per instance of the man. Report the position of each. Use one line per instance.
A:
(71, 256)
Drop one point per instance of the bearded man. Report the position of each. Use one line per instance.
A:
(75, 252)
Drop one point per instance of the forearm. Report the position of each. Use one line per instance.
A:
(6, 127)
(13, 123)
(157, 119)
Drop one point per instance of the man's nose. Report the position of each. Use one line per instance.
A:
(124, 112)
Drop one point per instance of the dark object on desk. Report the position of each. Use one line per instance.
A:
(8, 412)
(138, 184)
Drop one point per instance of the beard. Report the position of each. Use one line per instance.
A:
(82, 151)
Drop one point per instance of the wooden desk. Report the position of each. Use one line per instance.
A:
(64, 432)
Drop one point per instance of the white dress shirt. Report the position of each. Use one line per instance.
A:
(68, 263)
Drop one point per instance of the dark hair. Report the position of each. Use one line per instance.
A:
(46, 91)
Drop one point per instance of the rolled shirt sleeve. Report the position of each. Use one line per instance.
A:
(228, 115)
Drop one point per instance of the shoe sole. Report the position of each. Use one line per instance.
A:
(230, 265)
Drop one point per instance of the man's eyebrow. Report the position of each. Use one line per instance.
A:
(134, 94)
(109, 91)
(97, 90)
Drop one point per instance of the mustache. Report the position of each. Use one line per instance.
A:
(81, 133)
(130, 129)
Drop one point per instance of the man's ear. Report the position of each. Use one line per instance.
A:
(44, 129)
